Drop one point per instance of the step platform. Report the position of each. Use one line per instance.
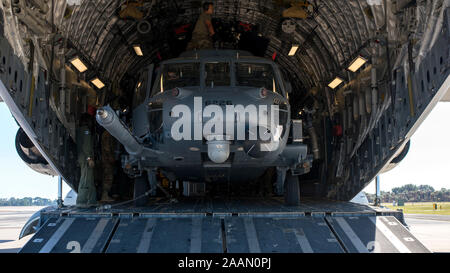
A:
(225, 226)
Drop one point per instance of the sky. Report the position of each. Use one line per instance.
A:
(428, 160)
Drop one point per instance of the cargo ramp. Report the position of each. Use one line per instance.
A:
(225, 226)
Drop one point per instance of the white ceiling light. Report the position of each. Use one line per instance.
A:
(138, 50)
(98, 83)
(79, 65)
(335, 83)
(357, 63)
(293, 50)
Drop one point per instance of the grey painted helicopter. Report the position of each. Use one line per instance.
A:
(212, 116)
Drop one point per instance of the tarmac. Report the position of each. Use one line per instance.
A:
(12, 219)
(432, 230)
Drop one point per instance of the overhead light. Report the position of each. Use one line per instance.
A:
(335, 83)
(138, 50)
(293, 50)
(98, 83)
(357, 63)
(79, 65)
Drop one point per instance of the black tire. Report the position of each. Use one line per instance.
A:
(292, 190)
(141, 186)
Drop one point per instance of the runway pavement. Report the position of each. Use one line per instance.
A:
(432, 230)
(12, 220)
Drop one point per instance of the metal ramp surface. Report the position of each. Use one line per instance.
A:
(376, 234)
(226, 229)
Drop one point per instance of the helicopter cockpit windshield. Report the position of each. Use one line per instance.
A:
(259, 75)
(179, 75)
(217, 74)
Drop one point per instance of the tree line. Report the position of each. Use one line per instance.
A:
(413, 193)
(27, 201)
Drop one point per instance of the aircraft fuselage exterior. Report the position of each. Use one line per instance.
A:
(339, 128)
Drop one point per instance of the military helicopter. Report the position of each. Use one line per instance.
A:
(212, 116)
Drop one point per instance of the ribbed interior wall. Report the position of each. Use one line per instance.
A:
(328, 40)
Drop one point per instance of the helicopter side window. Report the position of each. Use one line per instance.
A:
(217, 74)
(256, 75)
(179, 75)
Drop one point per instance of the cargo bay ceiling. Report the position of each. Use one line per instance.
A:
(332, 34)
(329, 33)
